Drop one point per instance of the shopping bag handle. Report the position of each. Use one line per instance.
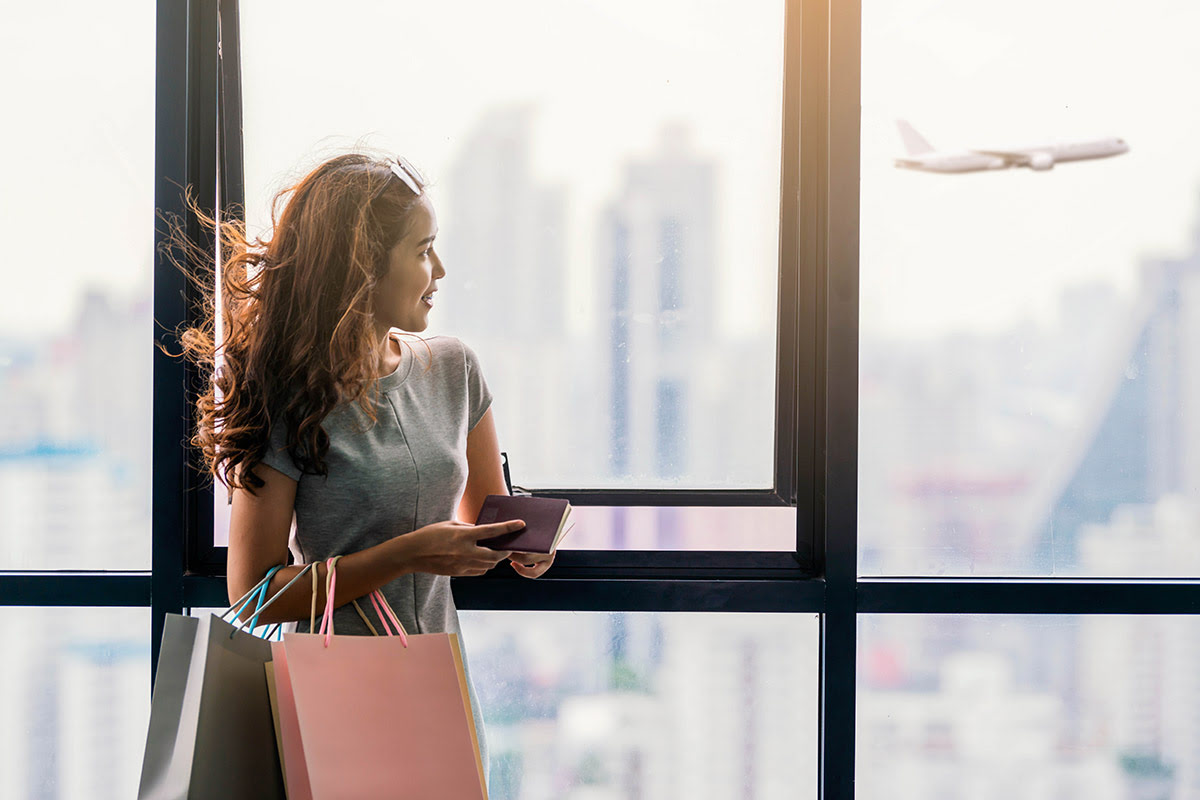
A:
(256, 595)
(263, 587)
(316, 590)
(330, 588)
(381, 604)
(377, 600)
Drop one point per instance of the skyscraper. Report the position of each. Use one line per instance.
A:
(656, 295)
(506, 255)
(1144, 441)
(505, 259)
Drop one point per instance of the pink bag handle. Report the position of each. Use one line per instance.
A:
(381, 604)
(330, 588)
(387, 628)
(377, 599)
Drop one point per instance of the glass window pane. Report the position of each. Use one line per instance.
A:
(693, 528)
(609, 223)
(975, 707)
(75, 311)
(75, 689)
(654, 706)
(1030, 284)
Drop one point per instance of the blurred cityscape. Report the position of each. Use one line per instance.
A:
(1064, 448)
(594, 706)
(1064, 451)
(651, 394)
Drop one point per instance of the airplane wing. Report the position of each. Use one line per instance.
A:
(1036, 159)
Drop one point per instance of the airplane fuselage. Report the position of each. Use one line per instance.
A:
(1038, 157)
(960, 161)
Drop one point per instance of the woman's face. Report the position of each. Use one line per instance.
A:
(404, 297)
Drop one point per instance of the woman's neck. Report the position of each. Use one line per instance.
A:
(391, 356)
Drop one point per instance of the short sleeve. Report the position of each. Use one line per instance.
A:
(277, 455)
(479, 396)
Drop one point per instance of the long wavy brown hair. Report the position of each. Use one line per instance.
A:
(296, 309)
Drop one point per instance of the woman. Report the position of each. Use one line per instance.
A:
(382, 450)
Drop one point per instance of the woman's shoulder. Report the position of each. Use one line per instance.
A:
(439, 349)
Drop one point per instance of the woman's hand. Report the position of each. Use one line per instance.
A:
(452, 547)
(531, 565)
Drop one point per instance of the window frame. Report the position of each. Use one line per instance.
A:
(825, 220)
(794, 384)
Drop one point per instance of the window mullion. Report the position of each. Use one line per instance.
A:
(97, 589)
(185, 156)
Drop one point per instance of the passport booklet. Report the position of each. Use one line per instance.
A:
(547, 520)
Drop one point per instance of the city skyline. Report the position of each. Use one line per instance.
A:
(1028, 398)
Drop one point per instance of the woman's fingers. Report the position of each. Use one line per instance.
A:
(531, 565)
(531, 559)
(481, 532)
(496, 528)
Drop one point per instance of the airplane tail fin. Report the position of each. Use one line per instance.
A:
(914, 142)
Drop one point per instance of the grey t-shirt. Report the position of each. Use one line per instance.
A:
(407, 471)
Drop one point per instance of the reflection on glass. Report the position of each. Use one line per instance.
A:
(1028, 347)
(75, 312)
(75, 689)
(1030, 707)
(609, 225)
(653, 706)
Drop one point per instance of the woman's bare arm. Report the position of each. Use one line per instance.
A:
(485, 475)
(485, 471)
(258, 536)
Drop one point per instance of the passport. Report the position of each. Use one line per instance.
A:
(546, 522)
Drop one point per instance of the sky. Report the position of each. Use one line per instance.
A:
(77, 196)
(422, 82)
(939, 253)
(978, 252)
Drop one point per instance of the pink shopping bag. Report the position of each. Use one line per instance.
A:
(376, 717)
(283, 708)
(291, 750)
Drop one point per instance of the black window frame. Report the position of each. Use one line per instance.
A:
(824, 234)
(218, 86)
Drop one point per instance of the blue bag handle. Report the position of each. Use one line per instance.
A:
(258, 594)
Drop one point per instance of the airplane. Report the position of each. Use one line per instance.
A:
(922, 156)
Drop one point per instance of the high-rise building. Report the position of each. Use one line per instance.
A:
(506, 265)
(656, 295)
(75, 467)
(505, 249)
(975, 733)
(75, 443)
(1142, 671)
(1143, 440)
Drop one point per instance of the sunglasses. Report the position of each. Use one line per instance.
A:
(406, 172)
